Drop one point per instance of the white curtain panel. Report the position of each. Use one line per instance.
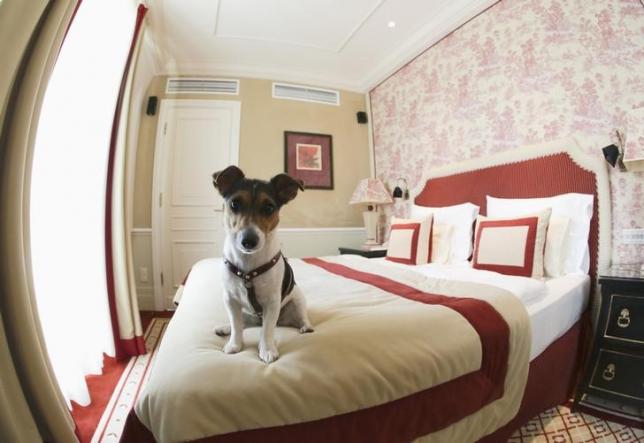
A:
(67, 207)
(127, 306)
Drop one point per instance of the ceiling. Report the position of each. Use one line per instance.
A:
(345, 44)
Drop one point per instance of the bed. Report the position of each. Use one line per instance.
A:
(400, 353)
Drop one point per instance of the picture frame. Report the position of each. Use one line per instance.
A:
(309, 157)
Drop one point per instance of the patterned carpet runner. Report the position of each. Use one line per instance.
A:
(127, 390)
(561, 425)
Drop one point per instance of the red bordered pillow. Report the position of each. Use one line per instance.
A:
(410, 241)
(512, 246)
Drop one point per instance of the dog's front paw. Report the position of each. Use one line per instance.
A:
(268, 354)
(306, 329)
(222, 331)
(232, 347)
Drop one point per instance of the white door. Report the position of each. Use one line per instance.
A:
(194, 139)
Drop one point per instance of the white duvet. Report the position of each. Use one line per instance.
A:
(369, 347)
(528, 290)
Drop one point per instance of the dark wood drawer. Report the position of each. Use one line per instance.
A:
(625, 318)
(620, 374)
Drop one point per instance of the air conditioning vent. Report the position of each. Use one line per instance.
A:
(306, 93)
(184, 85)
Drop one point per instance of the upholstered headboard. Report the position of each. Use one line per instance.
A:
(544, 170)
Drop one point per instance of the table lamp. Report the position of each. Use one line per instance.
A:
(372, 192)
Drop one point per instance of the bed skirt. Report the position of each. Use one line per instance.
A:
(396, 421)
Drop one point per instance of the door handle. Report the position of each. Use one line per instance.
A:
(624, 319)
(609, 372)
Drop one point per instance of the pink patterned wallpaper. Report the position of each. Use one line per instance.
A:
(523, 72)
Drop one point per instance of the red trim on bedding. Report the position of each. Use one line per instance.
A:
(551, 382)
(415, 228)
(409, 417)
(538, 177)
(392, 421)
(529, 245)
(488, 323)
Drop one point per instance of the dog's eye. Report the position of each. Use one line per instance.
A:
(268, 209)
(235, 206)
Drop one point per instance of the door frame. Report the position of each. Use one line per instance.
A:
(158, 176)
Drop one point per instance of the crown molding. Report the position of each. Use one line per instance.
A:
(422, 40)
(455, 16)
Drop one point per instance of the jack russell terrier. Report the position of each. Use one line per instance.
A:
(259, 288)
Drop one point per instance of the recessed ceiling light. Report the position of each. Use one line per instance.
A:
(391, 24)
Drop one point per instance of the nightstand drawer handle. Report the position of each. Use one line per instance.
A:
(624, 319)
(609, 372)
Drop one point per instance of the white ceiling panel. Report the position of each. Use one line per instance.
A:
(335, 43)
(324, 25)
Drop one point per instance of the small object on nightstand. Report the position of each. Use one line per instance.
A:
(368, 253)
(613, 381)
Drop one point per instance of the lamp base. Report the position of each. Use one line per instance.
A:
(371, 225)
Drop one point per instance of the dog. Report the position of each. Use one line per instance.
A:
(259, 288)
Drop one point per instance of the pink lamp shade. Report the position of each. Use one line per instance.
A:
(371, 191)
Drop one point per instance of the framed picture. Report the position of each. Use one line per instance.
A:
(309, 157)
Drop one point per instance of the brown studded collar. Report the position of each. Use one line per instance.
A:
(247, 277)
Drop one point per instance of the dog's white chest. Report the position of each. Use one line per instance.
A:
(266, 288)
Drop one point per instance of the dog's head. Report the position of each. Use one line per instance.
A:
(251, 209)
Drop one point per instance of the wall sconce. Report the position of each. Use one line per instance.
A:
(614, 153)
(401, 192)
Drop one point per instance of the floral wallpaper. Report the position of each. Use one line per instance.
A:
(522, 72)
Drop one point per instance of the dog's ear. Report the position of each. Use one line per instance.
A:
(224, 180)
(286, 187)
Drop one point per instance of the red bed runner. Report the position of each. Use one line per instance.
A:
(488, 323)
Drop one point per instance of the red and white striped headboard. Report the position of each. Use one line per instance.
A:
(543, 170)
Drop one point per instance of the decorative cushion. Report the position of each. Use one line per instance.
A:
(556, 246)
(512, 246)
(441, 243)
(577, 207)
(410, 240)
(462, 218)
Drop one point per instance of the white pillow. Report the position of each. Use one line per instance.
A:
(410, 240)
(511, 246)
(556, 242)
(462, 218)
(441, 243)
(577, 207)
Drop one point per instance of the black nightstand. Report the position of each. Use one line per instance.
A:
(368, 254)
(613, 382)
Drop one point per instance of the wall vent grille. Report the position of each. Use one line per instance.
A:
(306, 93)
(185, 85)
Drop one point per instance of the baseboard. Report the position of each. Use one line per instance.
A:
(141, 231)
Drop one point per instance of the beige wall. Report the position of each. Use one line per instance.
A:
(263, 122)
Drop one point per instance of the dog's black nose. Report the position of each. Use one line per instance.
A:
(250, 240)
